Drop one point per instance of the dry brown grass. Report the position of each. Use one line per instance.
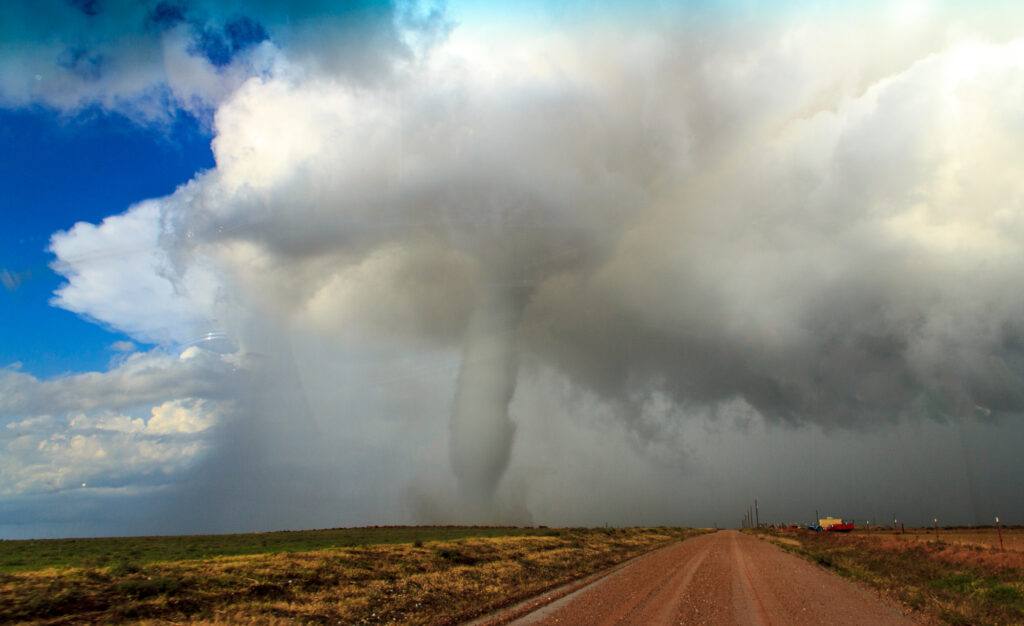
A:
(434, 583)
(949, 583)
(1013, 539)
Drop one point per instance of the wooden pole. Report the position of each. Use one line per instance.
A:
(936, 520)
(1000, 531)
(757, 516)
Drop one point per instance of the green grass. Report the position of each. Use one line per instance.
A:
(126, 554)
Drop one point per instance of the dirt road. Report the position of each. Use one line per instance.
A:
(722, 578)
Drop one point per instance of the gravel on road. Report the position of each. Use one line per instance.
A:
(720, 578)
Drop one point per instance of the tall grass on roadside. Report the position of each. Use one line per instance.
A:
(436, 582)
(956, 584)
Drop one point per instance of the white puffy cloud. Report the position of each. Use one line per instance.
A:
(141, 378)
(174, 417)
(123, 256)
(78, 438)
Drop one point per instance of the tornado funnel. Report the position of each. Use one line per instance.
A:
(481, 431)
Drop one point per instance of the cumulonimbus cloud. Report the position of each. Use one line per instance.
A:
(714, 219)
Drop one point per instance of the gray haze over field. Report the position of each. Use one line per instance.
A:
(603, 268)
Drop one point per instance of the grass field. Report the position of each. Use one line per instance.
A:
(38, 554)
(953, 583)
(390, 579)
(1013, 538)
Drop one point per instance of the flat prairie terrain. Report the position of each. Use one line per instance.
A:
(420, 581)
(1013, 538)
(947, 582)
(35, 554)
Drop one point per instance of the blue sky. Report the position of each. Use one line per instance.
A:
(363, 263)
(59, 170)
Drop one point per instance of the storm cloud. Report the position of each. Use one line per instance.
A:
(673, 226)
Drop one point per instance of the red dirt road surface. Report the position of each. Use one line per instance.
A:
(721, 578)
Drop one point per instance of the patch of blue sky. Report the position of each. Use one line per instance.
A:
(166, 14)
(56, 171)
(220, 44)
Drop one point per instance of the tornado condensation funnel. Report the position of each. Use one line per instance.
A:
(481, 431)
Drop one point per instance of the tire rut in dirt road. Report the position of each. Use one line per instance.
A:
(748, 606)
(644, 592)
(723, 578)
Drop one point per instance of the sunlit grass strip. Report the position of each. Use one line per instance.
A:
(27, 555)
(953, 583)
(441, 582)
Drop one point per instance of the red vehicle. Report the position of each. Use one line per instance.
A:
(836, 525)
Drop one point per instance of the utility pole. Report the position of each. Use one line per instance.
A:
(757, 516)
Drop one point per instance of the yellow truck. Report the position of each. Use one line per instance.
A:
(835, 524)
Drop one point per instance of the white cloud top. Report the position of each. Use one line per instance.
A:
(107, 430)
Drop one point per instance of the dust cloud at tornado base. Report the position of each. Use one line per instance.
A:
(676, 235)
